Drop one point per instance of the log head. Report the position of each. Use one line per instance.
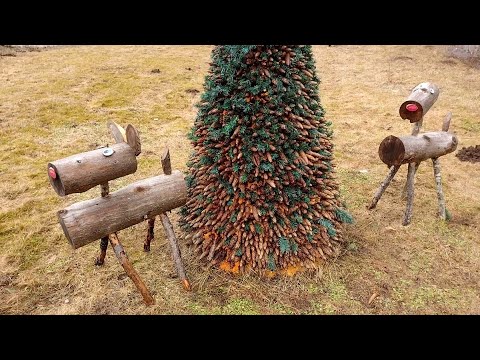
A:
(391, 151)
(420, 100)
(81, 172)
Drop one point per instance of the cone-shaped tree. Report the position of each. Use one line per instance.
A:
(261, 186)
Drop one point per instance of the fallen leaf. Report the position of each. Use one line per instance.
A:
(390, 229)
(373, 297)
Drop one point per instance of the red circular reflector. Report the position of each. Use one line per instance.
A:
(52, 173)
(412, 107)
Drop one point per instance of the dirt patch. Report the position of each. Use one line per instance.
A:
(471, 154)
(469, 54)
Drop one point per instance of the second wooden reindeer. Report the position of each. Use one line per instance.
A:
(417, 147)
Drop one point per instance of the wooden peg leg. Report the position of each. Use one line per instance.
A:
(405, 187)
(167, 225)
(129, 269)
(100, 260)
(438, 181)
(150, 235)
(410, 193)
(383, 186)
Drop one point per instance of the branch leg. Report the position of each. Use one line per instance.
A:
(150, 234)
(131, 272)
(383, 186)
(404, 191)
(167, 225)
(410, 193)
(440, 196)
(100, 260)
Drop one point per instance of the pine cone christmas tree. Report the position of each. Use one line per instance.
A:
(261, 186)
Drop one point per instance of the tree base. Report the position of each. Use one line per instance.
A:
(290, 271)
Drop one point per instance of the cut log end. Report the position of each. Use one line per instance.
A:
(391, 151)
(61, 214)
(411, 110)
(55, 180)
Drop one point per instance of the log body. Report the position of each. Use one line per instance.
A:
(407, 149)
(89, 220)
(423, 96)
(81, 172)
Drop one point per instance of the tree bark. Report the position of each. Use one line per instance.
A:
(423, 96)
(438, 181)
(408, 149)
(383, 186)
(81, 172)
(410, 194)
(167, 225)
(90, 220)
(131, 272)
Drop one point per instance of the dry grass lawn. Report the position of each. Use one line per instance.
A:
(56, 103)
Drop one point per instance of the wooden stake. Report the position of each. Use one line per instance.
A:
(410, 193)
(100, 260)
(438, 180)
(446, 121)
(166, 165)
(150, 234)
(383, 186)
(416, 127)
(167, 225)
(131, 272)
(405, 187)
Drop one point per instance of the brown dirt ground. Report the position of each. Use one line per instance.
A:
(472, 154)
(56, 103)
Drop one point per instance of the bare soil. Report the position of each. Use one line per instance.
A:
(471, 154)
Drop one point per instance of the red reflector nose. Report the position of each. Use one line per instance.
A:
(412, 107)
(52, 173)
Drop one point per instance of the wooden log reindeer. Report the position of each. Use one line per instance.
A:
(415, 148)
(101, 218)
